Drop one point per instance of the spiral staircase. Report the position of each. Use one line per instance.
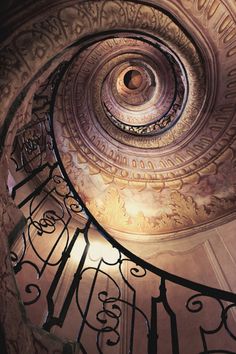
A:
(118, 177)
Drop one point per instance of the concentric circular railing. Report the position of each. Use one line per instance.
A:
(72, 274)
(75, 280)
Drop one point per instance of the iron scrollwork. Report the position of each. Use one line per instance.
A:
(101, 292)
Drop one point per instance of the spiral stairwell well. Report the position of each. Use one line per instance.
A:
(118, 177)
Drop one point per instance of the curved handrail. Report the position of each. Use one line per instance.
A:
(198, 287)
(109, 303)
(214, 292)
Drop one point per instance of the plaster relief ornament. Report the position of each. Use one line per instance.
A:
(144, 119)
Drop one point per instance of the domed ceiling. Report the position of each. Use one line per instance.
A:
(144, 115)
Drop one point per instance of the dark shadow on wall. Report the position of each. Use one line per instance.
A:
(3, 348)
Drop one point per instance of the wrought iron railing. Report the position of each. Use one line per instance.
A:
(69, 267)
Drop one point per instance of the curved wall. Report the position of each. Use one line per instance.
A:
(23, 57)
